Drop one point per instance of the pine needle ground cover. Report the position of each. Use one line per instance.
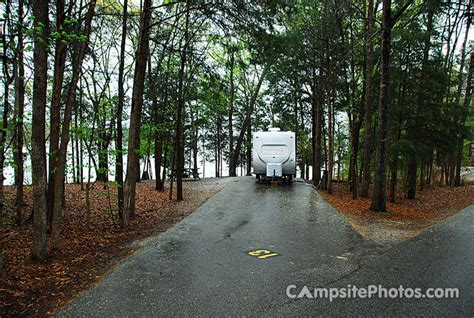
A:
(87, 252)
(405, 218)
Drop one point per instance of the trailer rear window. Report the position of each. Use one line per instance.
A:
(274, 149)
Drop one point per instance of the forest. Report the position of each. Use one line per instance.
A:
(113, 92)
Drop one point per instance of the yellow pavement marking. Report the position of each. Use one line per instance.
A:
(262, 253)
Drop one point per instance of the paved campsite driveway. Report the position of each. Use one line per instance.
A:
(202, 266)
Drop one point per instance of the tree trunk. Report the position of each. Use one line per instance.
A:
(330, 139)
(158, 152)
(317, 146)
(441, 177)
(137, 167)
(135, 114)
(147, 173)
(38, 151)
(295, 117)
(446, 173)
(70, 101)
(368, 101)
(6, 106)
(316, 116)
(19, 117)
(165, 162)
(73, 158)
(179, 116)
(55, 116)
(462, 63)
(422, 175)
(355, 131)
(452, 168)
(120, 102)
(218, 143)
(457, 178)
(411, 177)
(393, 181)
(394, 167)
(432, 176)
(159, 136)
(330, 100)
(103, 165)
(422, 104)
(194, 141)
(248, 115)
(232, 157)
(451, 48)
(469, 86)
(203, 154)
(77, 139)
(80, 158)
(249, 151)
(379, 196)
(325, 148)
(467, 102)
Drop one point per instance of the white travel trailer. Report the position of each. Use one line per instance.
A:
(274, 154)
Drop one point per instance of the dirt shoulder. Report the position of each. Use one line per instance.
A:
(405, 218)
(88, 251)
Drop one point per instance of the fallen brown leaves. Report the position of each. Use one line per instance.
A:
(87, 252)
(430, 206)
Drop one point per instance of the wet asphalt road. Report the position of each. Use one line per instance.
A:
(201, 265)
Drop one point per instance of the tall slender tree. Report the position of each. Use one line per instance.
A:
(19, 115)
(61, 47)
(422, 103)
(179, 142)
(457, 178)
(232, 163)
(379, 197)
(6, 57)
(368, 100)
(38, 141)
(120, 103)
(135, 114)
(65, 129)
